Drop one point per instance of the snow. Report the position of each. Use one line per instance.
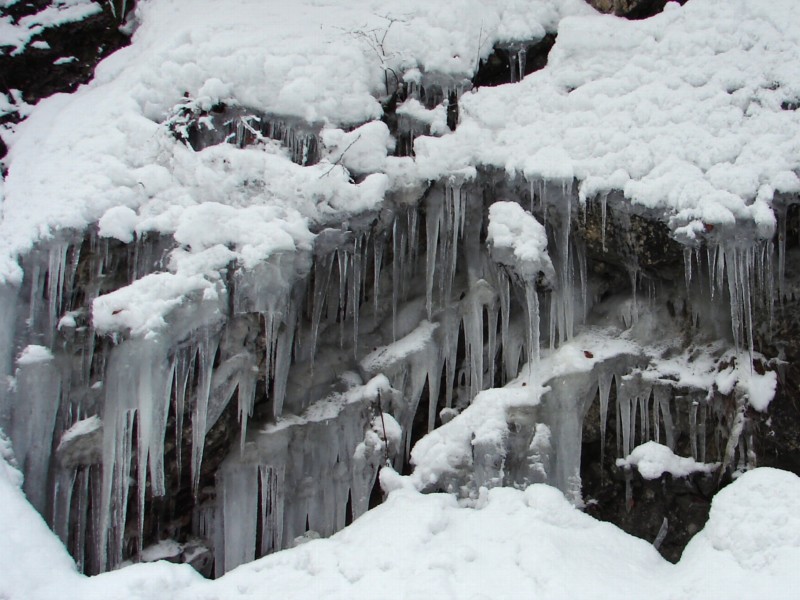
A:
(514, 229)
(386, 356)
(417, 545)
(681, 111)
(26, 543)
(34, 354)
(80, 429)
(652, 460)
(310, 61)
(362, 150)
(143, 306)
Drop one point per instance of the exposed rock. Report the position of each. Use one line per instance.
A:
(65, 56)
(632, 9)
(81, 444)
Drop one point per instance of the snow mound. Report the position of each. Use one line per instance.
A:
(518, 240)
(34, 354)
(652, 460)
(756, 521)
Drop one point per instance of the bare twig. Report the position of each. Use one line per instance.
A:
(341, 156)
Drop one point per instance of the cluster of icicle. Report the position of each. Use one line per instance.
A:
(444, 319)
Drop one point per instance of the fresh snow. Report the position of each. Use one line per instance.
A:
(652, 460)
(514, 230)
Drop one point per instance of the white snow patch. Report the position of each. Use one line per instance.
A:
(652, 460)
(81, 428)
(513, 228)
(143, 306)
(34, 354)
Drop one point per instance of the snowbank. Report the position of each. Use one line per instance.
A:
(509, 544)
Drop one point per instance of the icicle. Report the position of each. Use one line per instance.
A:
(433, 222)
(624, 398)
(687, 270)
(644, 415)
(662, 396)
(65, 485)
(781, 216)
(662, 534)
(271, 479)
(701, 433)
(413, 238)
(603, 214)
(473, 334)
(604, 390)
(322, 275)
(633, 272)
(395, 276)
(491, 346)
(378, 245)
(404, 265)
(344, 261)
(580, 253)
(56, 272)
(283, 359)
(521, 59)
(238, 491)
(513, 65)
(356, 297)
(532, 313)
(82, 525)
(711, 259)
(206, 351)
(35, 292)
(246, 398)
(435, 365)
(184, 365)
(454, 210)
(693, 427)
(35, 404)
(505, 309)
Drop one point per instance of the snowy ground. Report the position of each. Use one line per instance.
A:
(506, 544)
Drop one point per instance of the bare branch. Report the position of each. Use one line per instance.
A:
(341, 156)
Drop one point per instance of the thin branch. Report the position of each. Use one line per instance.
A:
(341, 156)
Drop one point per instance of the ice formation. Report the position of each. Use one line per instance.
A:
(248, 271)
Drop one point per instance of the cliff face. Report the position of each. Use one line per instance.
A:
(261, 302)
